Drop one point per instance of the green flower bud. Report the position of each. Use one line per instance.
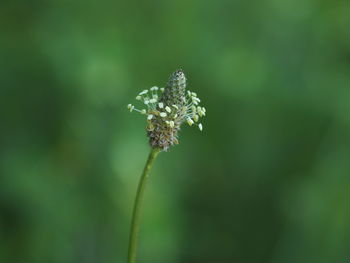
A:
(174, 93)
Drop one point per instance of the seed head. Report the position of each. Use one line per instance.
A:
(168, 109)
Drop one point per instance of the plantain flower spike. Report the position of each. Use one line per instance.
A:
(167, 108)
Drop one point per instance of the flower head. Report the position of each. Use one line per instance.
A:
(167, 108)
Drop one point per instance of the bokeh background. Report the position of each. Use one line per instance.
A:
(266, 181)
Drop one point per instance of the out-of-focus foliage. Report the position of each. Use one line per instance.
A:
(266, 181)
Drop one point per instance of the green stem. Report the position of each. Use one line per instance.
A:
(135, 222)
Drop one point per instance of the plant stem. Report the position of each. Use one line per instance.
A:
(135, 222)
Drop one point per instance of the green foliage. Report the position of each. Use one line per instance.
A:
(266, 181)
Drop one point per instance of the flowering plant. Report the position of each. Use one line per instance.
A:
(166, 109)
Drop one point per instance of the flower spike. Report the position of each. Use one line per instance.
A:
(167, 109)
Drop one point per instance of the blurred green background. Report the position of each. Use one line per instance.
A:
(266, 181)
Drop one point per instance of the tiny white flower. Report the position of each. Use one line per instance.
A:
(200, 126)
(154, 88)
(195, 118)
(138, 97)
(152, 100)
(143, 111)
(189, 93)
(175, 106)
(149, 117)
(194, 94)
(189, 121)
(155, 96)
(146, 102)
(172, 124)
(162, 89)
(167, 108)
(175, 116)
(163, 114)
(161, 105)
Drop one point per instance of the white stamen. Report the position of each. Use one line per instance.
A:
(143, 92)
(195, 100)
(190, 111)
(189, 121)
(200, 112)
(131, 107)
